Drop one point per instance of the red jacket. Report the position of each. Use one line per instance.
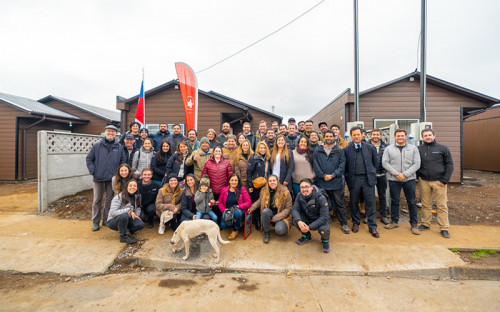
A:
(243, 203)
(218, 173)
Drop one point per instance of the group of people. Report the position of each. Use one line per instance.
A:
(287, 175)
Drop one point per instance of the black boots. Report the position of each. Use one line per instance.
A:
(127, 239)
(266, 237)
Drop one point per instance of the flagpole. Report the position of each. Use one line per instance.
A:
(144, 100)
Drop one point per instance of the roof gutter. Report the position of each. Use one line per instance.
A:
(25, 131)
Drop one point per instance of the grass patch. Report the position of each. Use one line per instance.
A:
(454, 249)
(482, 253)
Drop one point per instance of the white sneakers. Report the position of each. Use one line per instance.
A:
(161, 229)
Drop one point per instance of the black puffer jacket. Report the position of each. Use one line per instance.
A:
(148, 192)
(381, 149)
(315, 208)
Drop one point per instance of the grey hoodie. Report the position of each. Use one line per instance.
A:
(202, 200)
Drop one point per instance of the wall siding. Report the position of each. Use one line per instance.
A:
(8, 141)
(334, 113)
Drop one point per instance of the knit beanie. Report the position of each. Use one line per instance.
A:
(205, 181)
(204, 139)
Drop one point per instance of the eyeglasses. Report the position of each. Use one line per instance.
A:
(305, 187)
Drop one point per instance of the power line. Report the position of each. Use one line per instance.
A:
(263, 38)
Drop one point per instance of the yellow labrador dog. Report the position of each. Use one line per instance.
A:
(193, 228)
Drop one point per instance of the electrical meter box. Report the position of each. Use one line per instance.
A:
(347, 133)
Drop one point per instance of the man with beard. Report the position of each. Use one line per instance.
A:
(162, 134)
(323, 126)
(283, 130)
(270, 136)
(309, 129)
(275, 126)
(337, 137)
(261, 134)
(222, 137)
(192, 142)
(329, 165)
(302, 127)
(177, 136)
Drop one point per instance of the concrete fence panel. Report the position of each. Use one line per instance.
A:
(61, 165)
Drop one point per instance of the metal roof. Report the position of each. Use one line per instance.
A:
(212, 94)
(94, 110)
(36, 108)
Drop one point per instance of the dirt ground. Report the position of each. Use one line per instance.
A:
(477, 201)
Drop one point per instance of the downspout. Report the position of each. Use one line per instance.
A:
(25, 131)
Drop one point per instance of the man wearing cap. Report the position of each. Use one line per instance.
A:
(102, 162)
(199, 157)
(291, 121)
(323, 126)
(129, 148)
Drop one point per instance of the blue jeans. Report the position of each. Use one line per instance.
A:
(212, 215)
(409, 188)
(238, 217)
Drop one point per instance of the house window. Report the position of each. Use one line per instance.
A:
(153, 128)
(401, 123)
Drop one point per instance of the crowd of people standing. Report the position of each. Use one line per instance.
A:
(285, 175)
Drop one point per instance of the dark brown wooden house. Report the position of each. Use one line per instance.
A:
(98, 117)
(164, 104)
(481, 141)
(399, 101)
(21, 118)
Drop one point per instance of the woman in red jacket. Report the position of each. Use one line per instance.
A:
(234, 195)
(218, 170)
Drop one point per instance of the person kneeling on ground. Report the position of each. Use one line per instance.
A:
(204, 199)
(168, 204)
(234, 195)
(125, 211)
(275, 203)
(149, 192)
(310, 212)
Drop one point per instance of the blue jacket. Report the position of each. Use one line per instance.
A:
(334, 164)
(370, 157)
(103, 163)
(174, 165)
(158, 138)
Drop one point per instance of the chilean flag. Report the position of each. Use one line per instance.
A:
(140, 114)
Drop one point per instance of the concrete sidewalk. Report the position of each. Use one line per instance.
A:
(32, 243)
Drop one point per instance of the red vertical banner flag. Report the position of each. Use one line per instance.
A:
(140, 113)
(189, 90)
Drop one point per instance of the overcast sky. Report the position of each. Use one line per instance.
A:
(91, 51)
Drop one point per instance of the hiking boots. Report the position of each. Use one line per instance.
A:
(384, 220)
(305, 238)
(391, 226)
(233, 235)
(95, 227)
(445, 234)
(127, 239)
(104, 223)
(266, 237)
(345, 229)
(415, 230)
(325, 247)
(355, 228)
(150, 224)
(423, 227)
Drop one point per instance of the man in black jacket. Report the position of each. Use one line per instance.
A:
(149, 190)
(292, 139)
(329, 165)
(103, 160)
(376, 140)
(434, 174)
(129, 148)
(310, 212)
(361, 177)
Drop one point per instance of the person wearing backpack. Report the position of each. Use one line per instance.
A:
(310, 213)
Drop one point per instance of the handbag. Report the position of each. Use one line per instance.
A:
(261, 181)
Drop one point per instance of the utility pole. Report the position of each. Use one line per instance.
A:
(356, 62)
(423, 73)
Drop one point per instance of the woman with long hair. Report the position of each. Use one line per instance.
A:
(125, 211)
(177, 163)
(142, 158)
(168, 204)
(275, 205)
(243, 155)
(282, 162)
(234, 195)
(188, 205)
(240, 138)
(159, 161)
(258, 169)
(218, 170)
(123, 174)
(303, 164)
